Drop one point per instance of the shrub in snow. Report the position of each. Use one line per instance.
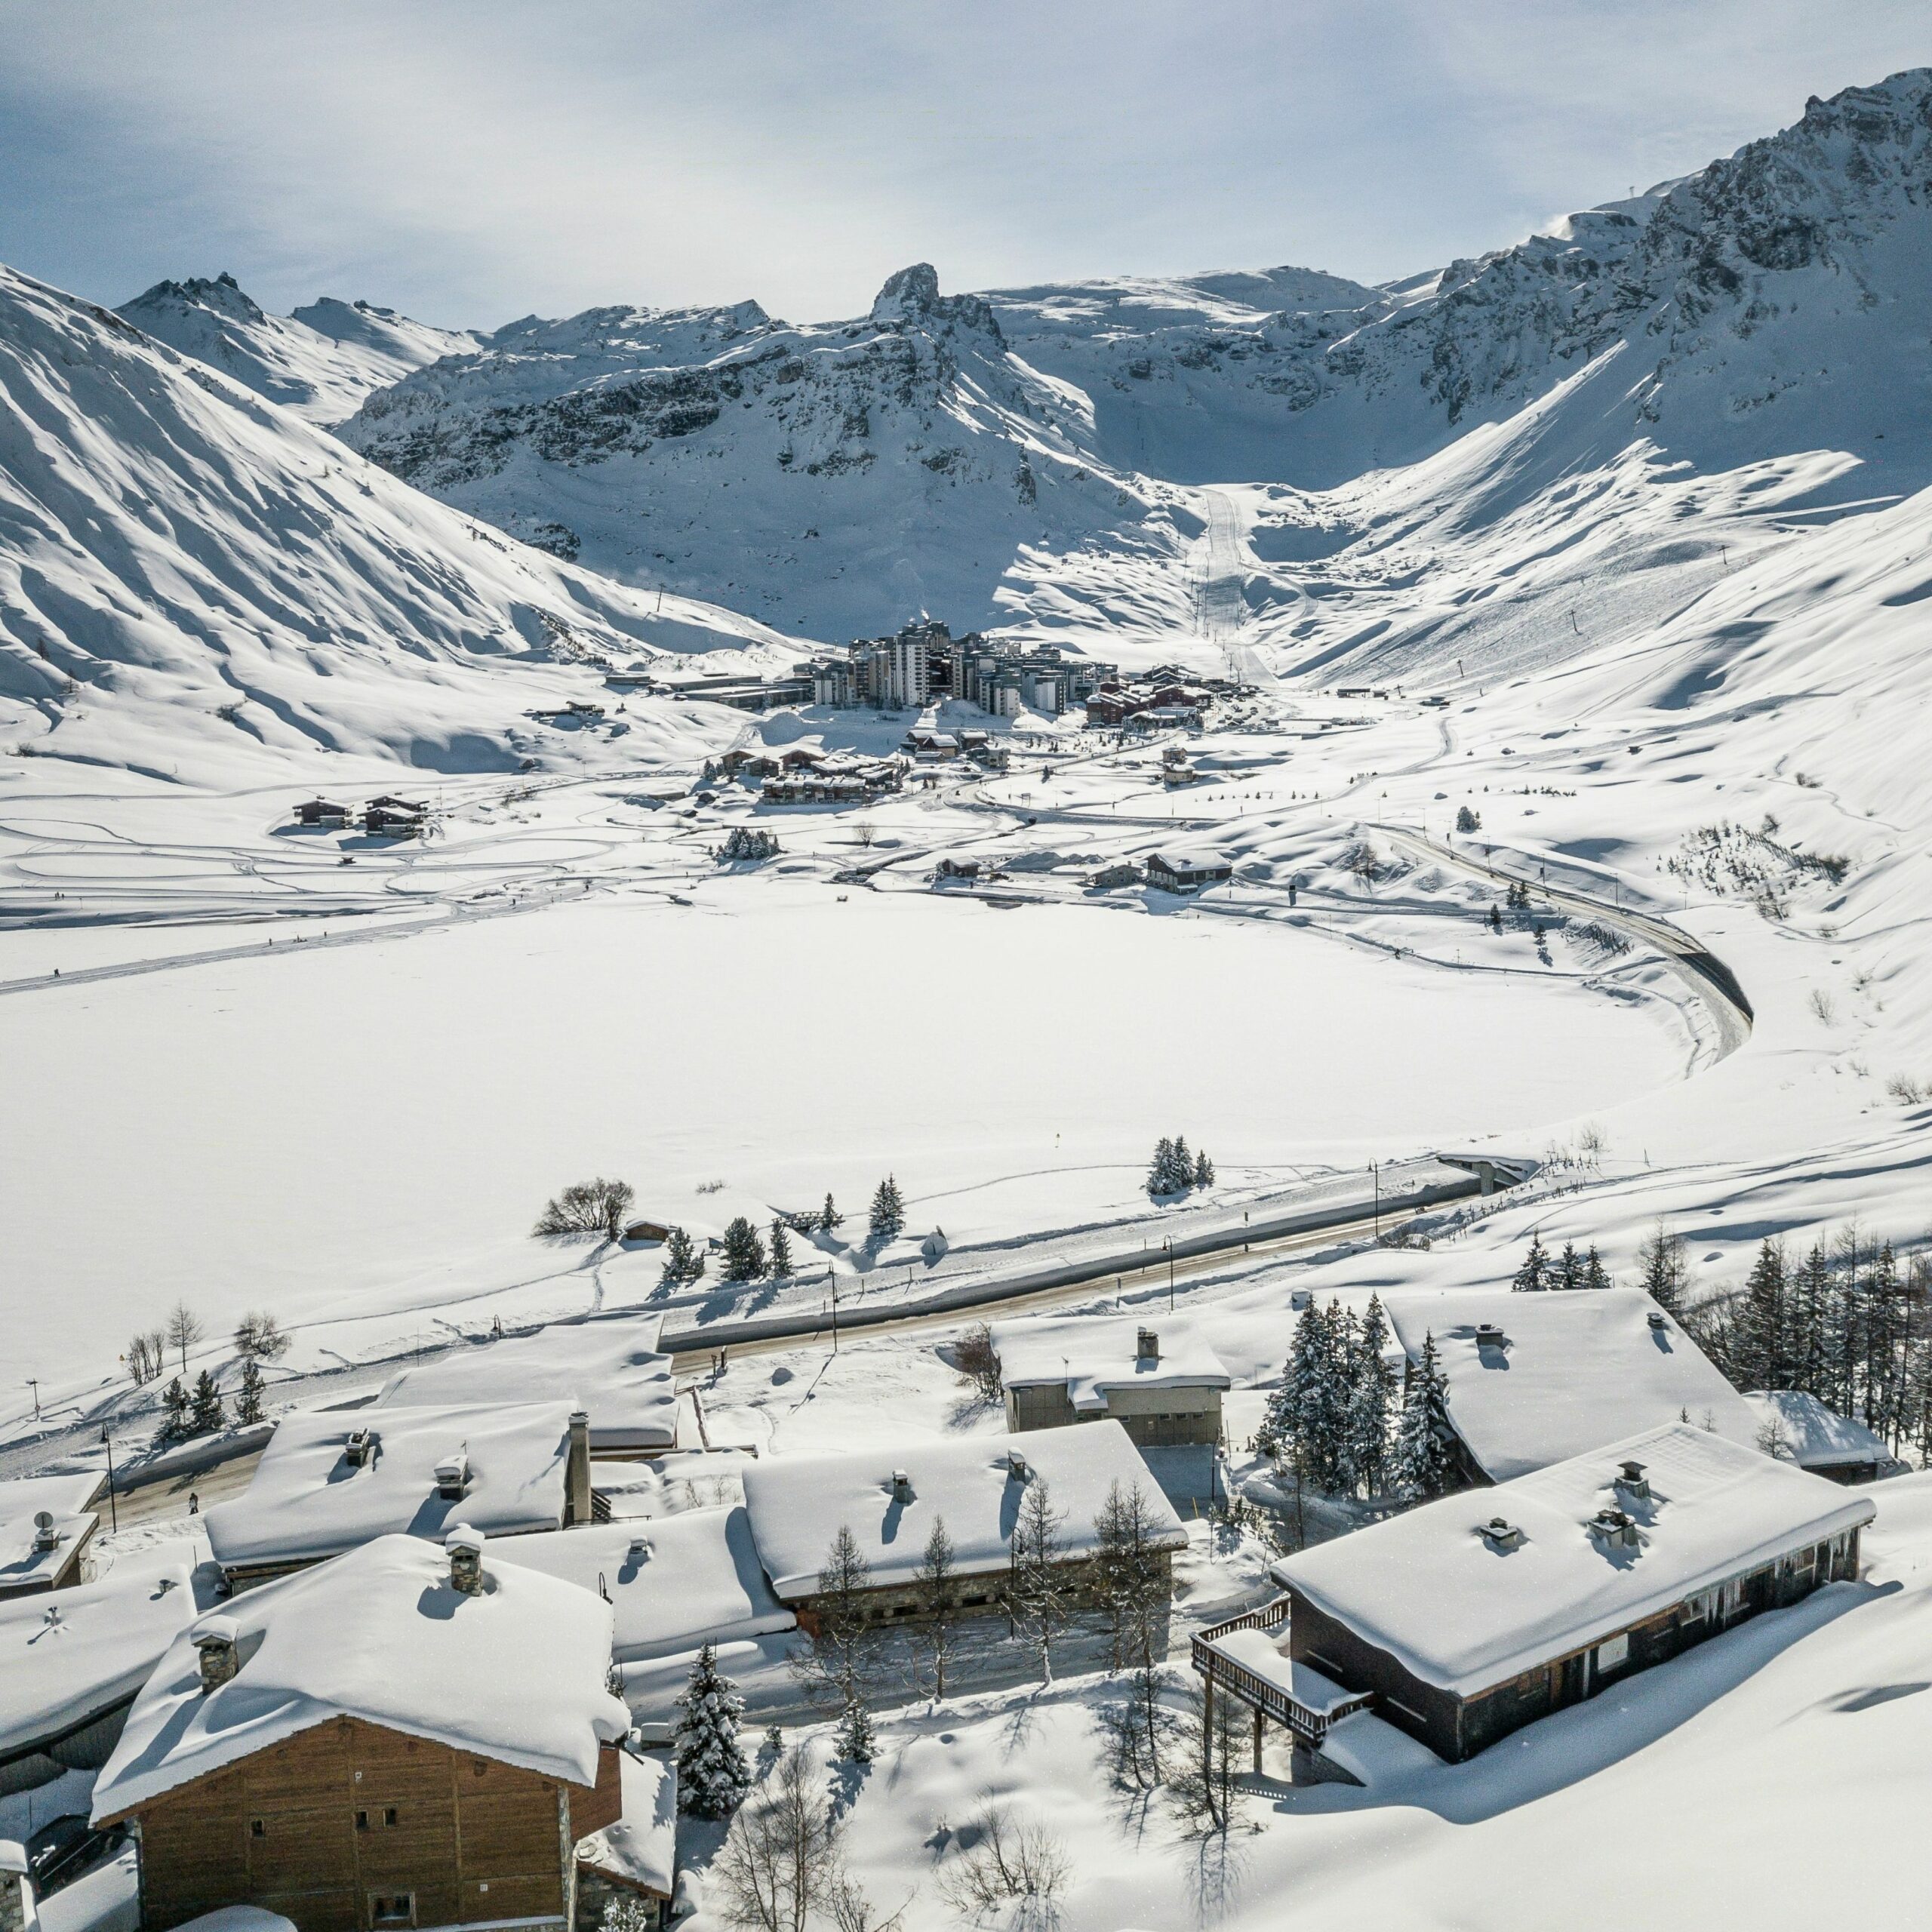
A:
(712, 1775)
(744, 1253)
(588, 1208)
(976, 1364)
(259, 1335)
(1006, 1859)
(888, 1213)
(1467, 820)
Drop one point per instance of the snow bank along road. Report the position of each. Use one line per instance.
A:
(1414, 1184)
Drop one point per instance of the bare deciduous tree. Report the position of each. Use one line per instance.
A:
(1006, 1863)
(587, 1208)
(780, 1861)
(258, 1336)
(1135, 1601)
(1207, 1788)
(145, 1356)
(835, 1659)
(182, 1330)
(976, 1364)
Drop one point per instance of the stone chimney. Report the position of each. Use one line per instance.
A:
(464, 1546)
(218, 1645)
(576, 1494)
(1147, 1346)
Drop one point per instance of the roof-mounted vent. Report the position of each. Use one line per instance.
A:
(217, 1644)
(640, 1549)
(1147, 1345)
(1657, 1320)
(1016, 1465)
(453, 1476)
(464, 1546)
(1489, 1335)
(902, 1486)
(45, 1535)
(1499, 1533)
(359, 1450)
(1614, 1528)
(1634, 1480)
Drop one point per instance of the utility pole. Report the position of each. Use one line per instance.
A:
(113, 1509)
(834, 1314)
(1169, 1245)
(1375, 1168)
(33, 1383)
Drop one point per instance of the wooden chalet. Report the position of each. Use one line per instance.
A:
(408, 1736)
(1462, 1621)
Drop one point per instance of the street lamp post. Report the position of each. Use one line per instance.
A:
(1375, 1168)
(1169, 1245)
(113, 1509)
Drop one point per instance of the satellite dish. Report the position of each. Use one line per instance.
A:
(42, 1520)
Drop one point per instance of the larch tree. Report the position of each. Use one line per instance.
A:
(938, 1577)
(1037, 1593)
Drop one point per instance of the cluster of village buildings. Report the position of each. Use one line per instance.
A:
(397, 1697)
(386, 817)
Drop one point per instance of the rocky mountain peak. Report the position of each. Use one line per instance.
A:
(912, 296)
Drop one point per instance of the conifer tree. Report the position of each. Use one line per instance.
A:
(248, 1396)
(712, 1775)
(1532, 1276)
(682, 1261)
(1762, 1355)
(1037, 1592)
(1568, 1271)
(1184, 1165)
(1365, 1425)
(888, 1212)
(1421, 1469)
(1204, 1170)
(781, 1249)
(1663, 1269)
(744, 1253)
(831, 1220)
(1160, 1175)
(205, 1415)
(174, 1413)
(1595, 1274)
(854, 1740)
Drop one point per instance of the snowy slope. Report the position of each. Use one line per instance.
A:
(320, 361)
(191, 576)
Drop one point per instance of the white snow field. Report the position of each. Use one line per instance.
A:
(372, 1128)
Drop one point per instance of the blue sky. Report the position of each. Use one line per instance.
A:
(472, 162)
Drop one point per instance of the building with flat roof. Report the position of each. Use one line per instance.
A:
(889, 1500)
(1802, 1429)
(613, 1370)
(330, 1480)
(1463, 1620)
(1163, 1384)
(46, 1522)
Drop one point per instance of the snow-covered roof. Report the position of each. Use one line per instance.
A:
(1093, 1354)
(796, 1503)
(695, 1580)
(1814, 1436)
(611, 1370)
(66, 1499)
(1188, 859)
(1465, 1611)
(70, 1657)
(641, 1849)
(1574, 1369)
(308, 1501)
(1256, 1652)
(515, 1673)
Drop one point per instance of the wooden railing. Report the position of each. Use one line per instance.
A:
(1224, 1674)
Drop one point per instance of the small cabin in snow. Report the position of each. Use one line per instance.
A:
(1174, 870)
(410, 1736)
(1801, 1429)
(1163, 1384)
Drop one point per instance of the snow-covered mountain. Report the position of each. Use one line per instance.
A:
(320, 361)
(190, 576)
(975, 455)
(830, 478)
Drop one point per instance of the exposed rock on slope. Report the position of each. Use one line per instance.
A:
(320, 362)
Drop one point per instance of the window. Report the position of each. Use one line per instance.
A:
(392, 1908)
(361, 1821)
(1613, 1652)
(388, 1814)
(258, 1828)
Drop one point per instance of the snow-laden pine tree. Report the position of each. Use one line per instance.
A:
(248, 1396)
(1532, 1276)
(1421, 1469)
(174, 1413)
(712, 1774)
(831, 1220)
(1160, 1173)
(1204, 1170)
(781, 1248)
(744, 1253)
(888, 1212)
(1595, 1274)
(854, 1740)
(1567, 1271)
(1663, 1269)
(205, 1415)
(1364, 1447)
(682, 1262)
